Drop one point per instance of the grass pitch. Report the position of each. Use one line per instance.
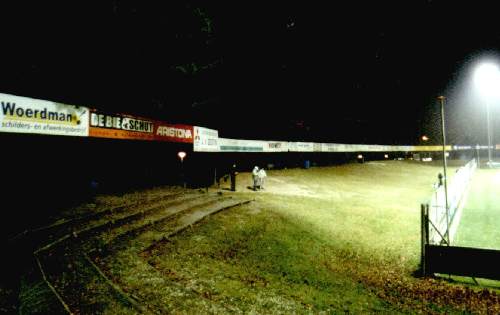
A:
(481, 214)
(479, 223)
(325, 240)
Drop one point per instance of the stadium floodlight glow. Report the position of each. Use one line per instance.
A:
(487, 81)
(181, 155)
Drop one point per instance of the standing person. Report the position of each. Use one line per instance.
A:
(255, 177)
(262, 178)
(233, 177)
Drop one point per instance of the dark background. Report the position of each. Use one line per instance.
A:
(338, 71)
(348, 72)
(353, 71)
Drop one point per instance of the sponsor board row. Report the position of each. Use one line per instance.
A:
(239, 145)
(27, 115)
(122, 126)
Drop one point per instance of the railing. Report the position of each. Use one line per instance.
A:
(442, 225)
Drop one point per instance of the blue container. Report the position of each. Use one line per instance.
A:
(307, 164)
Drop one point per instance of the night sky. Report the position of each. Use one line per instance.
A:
(362, 72)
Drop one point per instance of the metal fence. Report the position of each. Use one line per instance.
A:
(456, 260)
(443, 224)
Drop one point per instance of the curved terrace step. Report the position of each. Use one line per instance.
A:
(111, 221)
(136, 276)
(160, 222)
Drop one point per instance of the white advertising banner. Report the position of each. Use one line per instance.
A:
(205, 140)
(463, 147)
(332, 147)
(301, 146)
(422, 148)
(238, 145)
(317, 147)
(341, 147)
(275, 146)
(404, 148)
(27, 115)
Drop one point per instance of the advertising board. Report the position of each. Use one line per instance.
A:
(27, 115)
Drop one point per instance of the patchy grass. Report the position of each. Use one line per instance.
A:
(261, 262)
(479, 223)
(481, 214)
(332, 240)
(36, 297)
(325, 240)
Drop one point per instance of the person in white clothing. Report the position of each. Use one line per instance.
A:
(255, 177)
(262, 178)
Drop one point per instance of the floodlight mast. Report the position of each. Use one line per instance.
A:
(447, 234)
(488, 125)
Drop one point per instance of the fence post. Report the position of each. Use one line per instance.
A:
(422, 238)
(427, 267)
(426, 225)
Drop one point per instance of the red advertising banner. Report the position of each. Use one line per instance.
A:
(118, 126)
(122, 126)
(173, 133)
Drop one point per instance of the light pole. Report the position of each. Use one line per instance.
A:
(181, 156)
(423, 141)
(488, 126)
(441, 100)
